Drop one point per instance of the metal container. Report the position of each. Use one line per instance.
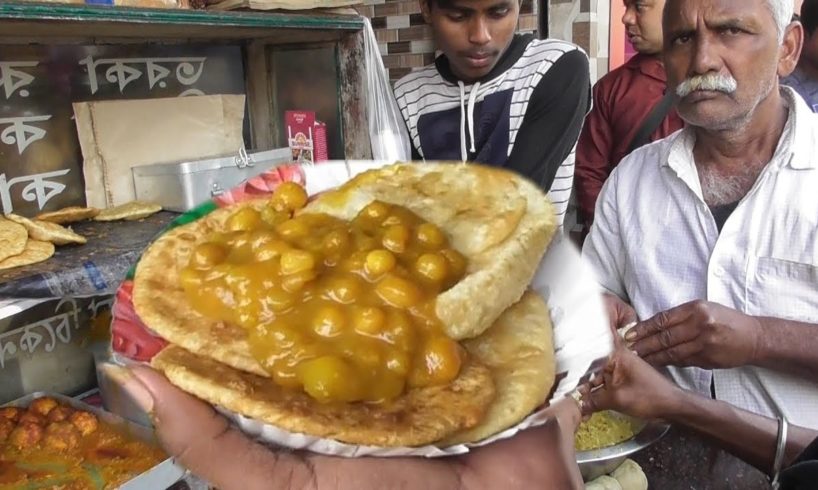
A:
(184, 185)
(160, 476)
(598, 462)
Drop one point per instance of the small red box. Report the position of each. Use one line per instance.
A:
(307, 137)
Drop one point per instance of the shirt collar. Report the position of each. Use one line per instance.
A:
(648, 65)
(796, 147)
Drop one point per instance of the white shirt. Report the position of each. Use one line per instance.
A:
(655, 244)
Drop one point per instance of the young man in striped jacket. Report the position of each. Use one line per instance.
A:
(496, 97)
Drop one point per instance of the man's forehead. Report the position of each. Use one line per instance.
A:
(688, 13)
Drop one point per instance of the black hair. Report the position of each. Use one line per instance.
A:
(448, 3)
(809, 15)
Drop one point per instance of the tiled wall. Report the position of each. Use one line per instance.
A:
(585, 23)
(406, 41)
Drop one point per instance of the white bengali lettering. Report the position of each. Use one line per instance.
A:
(122, 72)
(12, 79)
(95, 305)
(39, 188)
(57, 328)
(21, 131)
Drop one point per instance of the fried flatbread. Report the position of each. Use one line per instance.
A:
(48, 232)
(131, 211)
(499, 220)
(503, 252)
(519, 351)
(419, 417)
(13, 238)
(71, 214)
(35, 251)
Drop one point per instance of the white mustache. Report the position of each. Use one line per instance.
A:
(711, 81)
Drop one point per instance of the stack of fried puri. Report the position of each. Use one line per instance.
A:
(499, 221)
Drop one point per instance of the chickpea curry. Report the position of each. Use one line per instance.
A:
(52, 445)
(344, 310)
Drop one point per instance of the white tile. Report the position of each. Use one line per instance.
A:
(425, 46)
(397, 22)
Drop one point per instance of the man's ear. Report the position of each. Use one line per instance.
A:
(426, 10)
(790, 49)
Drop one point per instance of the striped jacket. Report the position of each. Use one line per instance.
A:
(526, 115)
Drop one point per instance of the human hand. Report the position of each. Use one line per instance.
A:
(631, 386)
(620, 314)
(205, 443)
(699, 333)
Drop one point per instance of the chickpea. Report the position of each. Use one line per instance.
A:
(336, 242)
(430, 236)
(207, 255)
(398, 292)
(457, 263)
(85, 422)
(293, 229)
(289, 196)
(245, 219)
(368, 320)
(278, 299)
(330, 378)
(294, 283)
(272, 217)
(379, 262)
(433, 267)
(397, 362)
(441, 359)
(400, 331)
(343, 288)
(329, 321)
(270, 250)
(364, 242)
(396, 238)
(376, 211)
(295, 261)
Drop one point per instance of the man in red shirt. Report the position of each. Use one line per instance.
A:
(623, 100)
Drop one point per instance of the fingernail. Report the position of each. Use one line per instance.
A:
(131, 385)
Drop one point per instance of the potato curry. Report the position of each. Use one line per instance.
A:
(52, 445)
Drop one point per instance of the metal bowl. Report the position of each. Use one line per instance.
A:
(598, 462)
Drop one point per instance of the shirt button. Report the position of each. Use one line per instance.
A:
(719, 271)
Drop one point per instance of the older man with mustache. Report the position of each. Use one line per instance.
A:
(709, 237)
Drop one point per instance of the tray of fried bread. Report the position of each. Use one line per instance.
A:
(368, 309)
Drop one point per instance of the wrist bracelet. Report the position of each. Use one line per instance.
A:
(780, 450)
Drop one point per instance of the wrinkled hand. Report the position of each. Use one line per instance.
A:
(699, 333)
(631, 386)
(620, 314)
(205, 443)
